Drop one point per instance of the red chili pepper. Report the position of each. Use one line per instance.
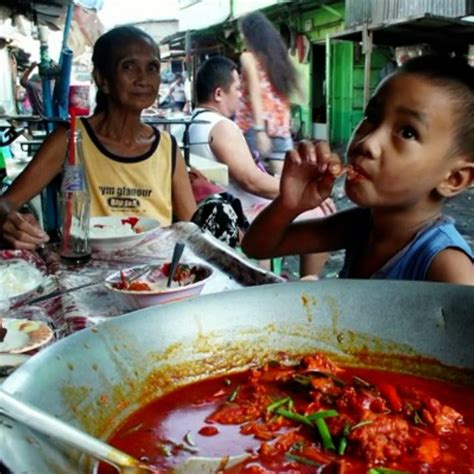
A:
(165, 268)
(130, 220)
(123, 281)
(391, 395)
(208, 431)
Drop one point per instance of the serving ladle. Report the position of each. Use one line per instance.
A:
(51, 426)
(123, 462)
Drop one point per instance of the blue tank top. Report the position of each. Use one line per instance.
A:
(414, 260)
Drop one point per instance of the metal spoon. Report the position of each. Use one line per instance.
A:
(139, 273)
(177, 252)
(47, 424)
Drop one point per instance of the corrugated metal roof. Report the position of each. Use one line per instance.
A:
(436, 30)
(381, 11)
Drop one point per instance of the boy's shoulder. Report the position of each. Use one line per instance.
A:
(415, 260)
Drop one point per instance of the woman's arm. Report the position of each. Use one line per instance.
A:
(18, 231)
(250, 72)
(184, 205)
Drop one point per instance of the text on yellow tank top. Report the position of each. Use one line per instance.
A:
(129, 186)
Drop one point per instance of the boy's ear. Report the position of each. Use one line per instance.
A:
(459, 178)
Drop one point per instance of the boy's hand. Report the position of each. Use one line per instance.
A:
(306, 180)
(22, 231)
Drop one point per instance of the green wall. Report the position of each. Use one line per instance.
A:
(347, 87)
(316, 24)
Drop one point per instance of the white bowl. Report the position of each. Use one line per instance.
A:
(18, 279)
(141, 299)
(107, 243)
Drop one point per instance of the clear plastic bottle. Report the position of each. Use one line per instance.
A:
(75, 206)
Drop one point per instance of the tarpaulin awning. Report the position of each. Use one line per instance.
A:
(47, 12)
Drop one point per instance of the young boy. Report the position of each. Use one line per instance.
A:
(413, 149)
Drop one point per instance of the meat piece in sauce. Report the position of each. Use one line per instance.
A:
(318, 362)
(441, 418)
(360, 401)
(383, 440)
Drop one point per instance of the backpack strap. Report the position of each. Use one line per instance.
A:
(186, 132)
(174, 151)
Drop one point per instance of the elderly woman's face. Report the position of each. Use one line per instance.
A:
(136, 80)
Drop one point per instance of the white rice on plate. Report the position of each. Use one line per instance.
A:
(106, 231)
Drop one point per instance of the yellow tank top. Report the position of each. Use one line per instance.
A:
(129, 186)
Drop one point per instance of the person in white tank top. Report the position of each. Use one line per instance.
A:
(220, 139)
(218, 94)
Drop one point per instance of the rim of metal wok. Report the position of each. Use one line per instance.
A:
(84, 377)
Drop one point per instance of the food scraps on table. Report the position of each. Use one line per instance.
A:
(156, 279)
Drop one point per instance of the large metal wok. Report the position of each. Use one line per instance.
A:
(97, 377)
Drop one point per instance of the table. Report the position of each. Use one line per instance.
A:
(90, 306)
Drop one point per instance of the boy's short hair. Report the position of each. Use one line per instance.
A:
(213, 73)
(454, 74)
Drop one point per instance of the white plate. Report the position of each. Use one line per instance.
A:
(146, 224)
(18, 278)
(22, 335)
(141, 299)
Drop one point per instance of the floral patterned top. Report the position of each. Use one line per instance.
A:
(276, 108)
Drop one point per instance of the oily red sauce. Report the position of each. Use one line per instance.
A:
(374, 419)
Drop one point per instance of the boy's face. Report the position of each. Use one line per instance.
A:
(401, 148)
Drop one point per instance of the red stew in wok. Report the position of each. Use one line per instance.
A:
(312, 417)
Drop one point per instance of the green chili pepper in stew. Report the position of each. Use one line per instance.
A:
(326, 438)
(322, 414)
(342, 446)
(279, 403)
(343, 440)
(302, 460)
(293, 416)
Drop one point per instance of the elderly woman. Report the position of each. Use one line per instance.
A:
(119, 149)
